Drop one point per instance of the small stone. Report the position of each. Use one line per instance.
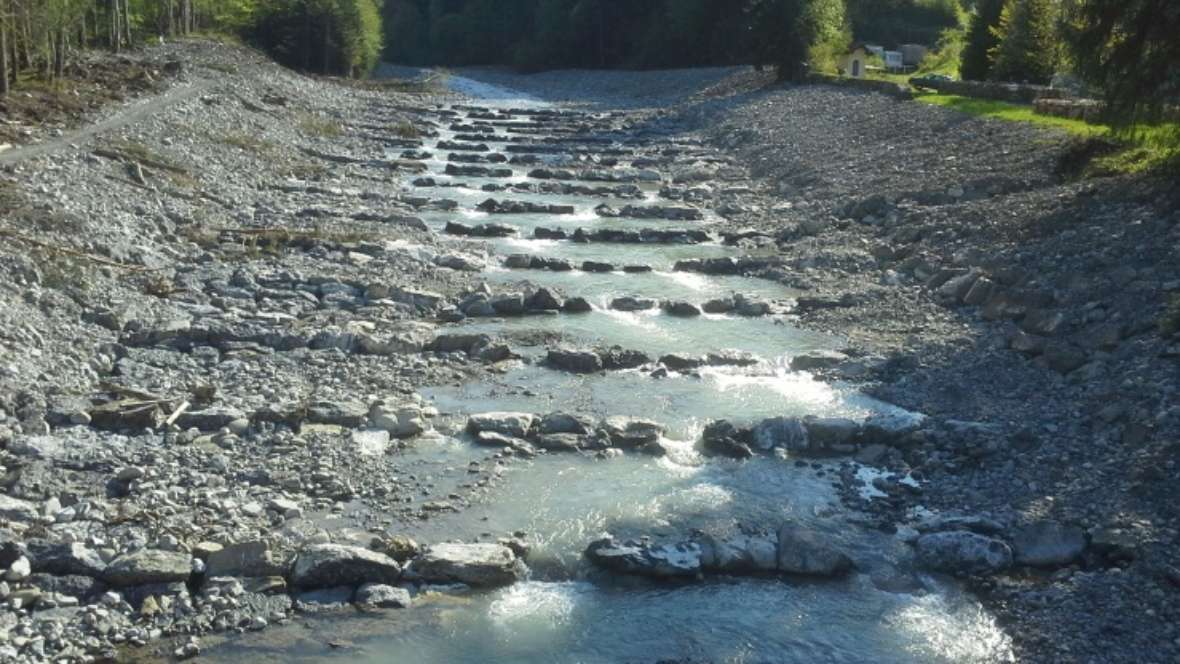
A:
(19, 570)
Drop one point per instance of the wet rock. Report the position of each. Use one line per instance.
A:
(788, 433)
(519, 261)
(577, 305)
(465, 343)
(561, 442)
(324, 600)
(628, 433)
(148, 566)
(723, 265)
(632, 304)
(515, 425)
(618, 359)
(639, 558)
(807, 552)
(381, 596)
(333, 565)
(566, 423)
(543, 300)
(963, 553)
(676, 362)
(508, 304)
(721, 305)
(723, 438)
(399, 421)
(596, 266)
(749, 307)
(459, 262)
(1047, 544)
(637, 269)
(682, 309)
(542, 233)
(830, 433)
(478, 565)
(739, 554)
(817, 360)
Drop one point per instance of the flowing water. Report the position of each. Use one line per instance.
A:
(569, 612)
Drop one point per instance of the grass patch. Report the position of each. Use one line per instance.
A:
(406, 129)
(245, 142)
(1002, 110)
(136, 151)
(1140, 149)
(313, 125)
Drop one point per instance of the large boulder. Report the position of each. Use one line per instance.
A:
(626, 432)
(65, 559)
(785, 432)
(1048, 544)
(335, 565)
(250, 559)
(830, 433)
(515, 425)
(148, 566)
(15, 509)
(643, 559)
(381, 596)
(632, 304)
(574, 360)
(739, 554)
(480, 565)
(963, 553)
(723, 438)
(806, 552)
(567, 423)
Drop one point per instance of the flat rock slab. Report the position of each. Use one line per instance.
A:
(963, 553)
(334, 565)
(682, 559)
(381, 596)
(480, 565)
(148, 566)
(516, 425)
(806, 552)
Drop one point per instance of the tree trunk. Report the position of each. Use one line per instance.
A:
(127, 23)
(59, 64)
(3, 48)
(115, 37)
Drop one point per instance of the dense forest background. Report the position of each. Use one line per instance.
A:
(1127, 49)
(534, 34)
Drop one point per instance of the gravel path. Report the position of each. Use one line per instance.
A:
(133, 113)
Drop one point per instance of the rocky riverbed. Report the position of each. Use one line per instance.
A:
(275, 347)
